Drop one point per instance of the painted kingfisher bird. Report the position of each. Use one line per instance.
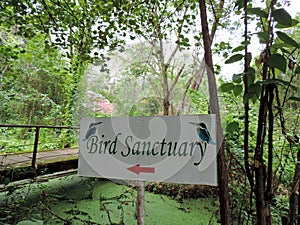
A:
(203, 133)
(91, 130)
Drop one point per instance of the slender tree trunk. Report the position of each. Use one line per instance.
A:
(217, 16)
(269, 188)
(259, 164)
(263, 216)
(298, 204)
(249, 172)
(294, 201)
(214, 106)
(166, 91)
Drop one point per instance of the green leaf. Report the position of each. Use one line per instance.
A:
(270, 81)
(263, 37)
(238, 49)
(245, 43)
(30, 222)
(237, 78)
(237, 89)
(251, 75)
(278, 82)
(258, 11)
(239, 4)
(287, 39)
(234, 58)
(297, 70)
(276, 46)
(282, 17)
(297, 99)
(277, 61)
(226, 87)
(255, 88)
(294, 23)
(254, 91)
(250, 96)
(232, 127)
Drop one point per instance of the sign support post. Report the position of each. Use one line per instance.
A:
(140, 202)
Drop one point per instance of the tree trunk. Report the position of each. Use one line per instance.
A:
(246, 107)
(259, 165)
(269, 188)
(294, 195)
(214, 107)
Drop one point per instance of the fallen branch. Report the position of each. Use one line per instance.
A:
(54, 214)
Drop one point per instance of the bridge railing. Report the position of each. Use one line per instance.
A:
(36, 136)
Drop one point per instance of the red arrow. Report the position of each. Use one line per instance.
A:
(137, 169)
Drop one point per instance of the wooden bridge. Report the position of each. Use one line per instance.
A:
(19, 166)
(42, 158)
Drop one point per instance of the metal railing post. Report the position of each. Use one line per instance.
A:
(37, 132)
(35, 147)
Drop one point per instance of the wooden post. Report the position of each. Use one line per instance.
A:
(140, 203)
(35, 146)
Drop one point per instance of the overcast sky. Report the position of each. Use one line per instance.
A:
(294, 8)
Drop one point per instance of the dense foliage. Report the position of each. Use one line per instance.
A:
(267, 154)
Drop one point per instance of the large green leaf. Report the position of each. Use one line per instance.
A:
(237, 89)
(282, 46)
(263, 37)
(237, 78)
(250, 96)
(277, 61)
(30, 222)
(254, 91)
(282, 17)
(232, 127)
(255, 88)
(294, 23)
(238, 49)
(226, 87)
(297, 70)
(258, 11)
(234, 58)
(251, 75)
(279, 82)
(246, 43)
(287, 39)
(239, 4)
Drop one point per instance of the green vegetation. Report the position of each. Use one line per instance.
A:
(18, 140)
(62, 60)
(95, 201)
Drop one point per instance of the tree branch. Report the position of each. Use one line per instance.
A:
(176, 80)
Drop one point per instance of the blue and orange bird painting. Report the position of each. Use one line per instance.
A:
(91, 131)
(203, 133)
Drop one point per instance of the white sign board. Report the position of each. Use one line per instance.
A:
(175, 149)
